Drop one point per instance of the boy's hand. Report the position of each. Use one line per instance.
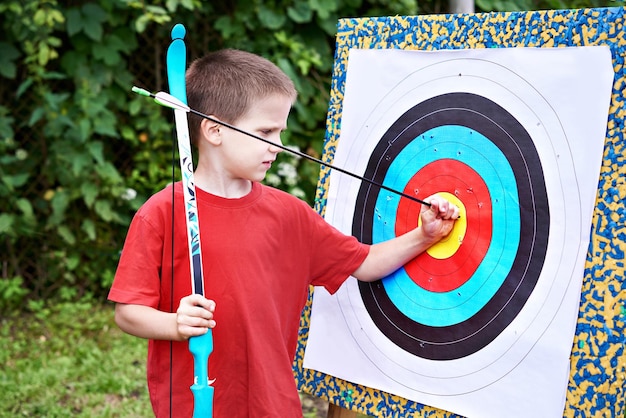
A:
(194, 316)
(438, 220)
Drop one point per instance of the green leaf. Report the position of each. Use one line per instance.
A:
(36, 116)
(71, 61)
(104, 210)
(128, 133)
(74, 21)
(84, 127)
(171, 5)
(105, 124)
(93, 16)
(54, 16)
(54, 41)
(12, 289)
(89, 191)
(135, 106)
(39, 18)
(44, 54)
(324, 8)
(6, 129)
(141, 23)
(23, 87)
(329, 26)
(8, 54)
(80, 163)
(67, 235)
(108, 172)
(270, 18)
(59, 203)
(94, 31)
(285, 65)
(229, 28)
(96, 149)
(53, 75)
(55, 100)
(89, 228)
(301, 13)
(72, 262)
(16, 180)
(156, 10)
(6, 221)
(94, 13)
(187, 4)
(25, 206)
(107, 54)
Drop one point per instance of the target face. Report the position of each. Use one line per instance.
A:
(467, 312)
(451, 306)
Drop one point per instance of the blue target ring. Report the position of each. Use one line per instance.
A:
(472, 148)
(502, 152)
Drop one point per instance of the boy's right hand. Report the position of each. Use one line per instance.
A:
(194, 316)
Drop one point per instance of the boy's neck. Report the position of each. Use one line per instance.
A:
(219, 186)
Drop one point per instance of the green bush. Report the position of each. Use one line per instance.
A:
(79, 153)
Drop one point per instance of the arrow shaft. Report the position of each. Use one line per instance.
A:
(166, 100)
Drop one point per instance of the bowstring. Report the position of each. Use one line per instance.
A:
(172, 268)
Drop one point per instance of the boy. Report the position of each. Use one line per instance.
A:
(261, 249)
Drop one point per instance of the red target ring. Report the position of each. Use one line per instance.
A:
(454, 177)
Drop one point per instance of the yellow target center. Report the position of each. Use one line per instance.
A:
(451, 243)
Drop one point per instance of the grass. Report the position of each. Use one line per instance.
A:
(72, 360)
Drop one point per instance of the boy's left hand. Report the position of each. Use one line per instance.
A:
(194, 316)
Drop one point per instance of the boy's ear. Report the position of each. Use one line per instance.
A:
(211, 131)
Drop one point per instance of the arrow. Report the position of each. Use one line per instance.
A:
(167, 100)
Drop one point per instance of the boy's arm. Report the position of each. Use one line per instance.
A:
(193, 317)
(386, 257)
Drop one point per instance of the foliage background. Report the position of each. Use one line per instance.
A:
(79, 153)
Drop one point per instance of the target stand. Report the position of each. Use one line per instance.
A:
(537, 238)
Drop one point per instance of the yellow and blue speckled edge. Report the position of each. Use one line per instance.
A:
(598, 358)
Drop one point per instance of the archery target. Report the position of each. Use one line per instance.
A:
(459, 320)
(479, 289)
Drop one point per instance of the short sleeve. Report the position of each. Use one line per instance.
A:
(336, 255)
(137, 279)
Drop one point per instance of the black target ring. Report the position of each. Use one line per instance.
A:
(495, 123)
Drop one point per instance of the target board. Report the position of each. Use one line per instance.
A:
(483, 322)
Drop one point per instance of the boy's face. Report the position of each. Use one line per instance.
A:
(248, 158)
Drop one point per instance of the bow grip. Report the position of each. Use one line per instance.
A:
(201, 347)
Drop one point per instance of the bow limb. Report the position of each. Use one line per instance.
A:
(200, 346)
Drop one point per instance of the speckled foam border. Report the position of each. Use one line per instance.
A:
(598, 359)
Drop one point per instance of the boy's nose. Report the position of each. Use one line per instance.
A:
(276, 148)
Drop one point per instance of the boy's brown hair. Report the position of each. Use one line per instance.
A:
(224, 83)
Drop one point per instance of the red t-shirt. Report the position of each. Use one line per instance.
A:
(260, 253)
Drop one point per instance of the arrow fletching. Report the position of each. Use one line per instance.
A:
(167, 100)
